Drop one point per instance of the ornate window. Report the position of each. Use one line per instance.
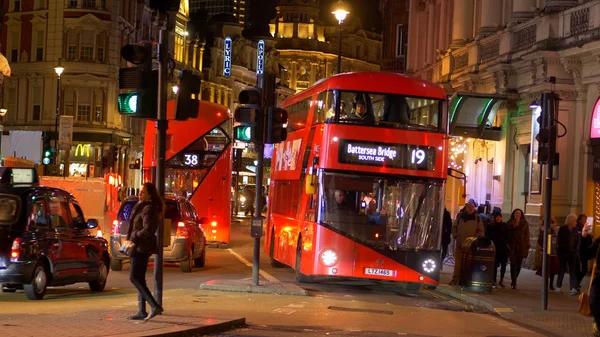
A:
(39, 45)
(84, 105)
(36, 103)
(87, 45)
(71, 45)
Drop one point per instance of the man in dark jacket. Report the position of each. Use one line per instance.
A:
(446, 235)
(497, 231)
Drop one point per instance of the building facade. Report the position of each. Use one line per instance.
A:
(517, 49)
(239, 8)
(308, 49)
(395, 34)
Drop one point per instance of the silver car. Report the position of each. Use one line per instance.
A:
(188, 242)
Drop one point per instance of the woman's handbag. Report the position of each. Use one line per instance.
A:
(127, 248)
(584, 298)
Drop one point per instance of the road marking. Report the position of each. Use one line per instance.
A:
(263, 273)
(295, 305)
(284, 311)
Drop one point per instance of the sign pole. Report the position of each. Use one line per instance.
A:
(161, 126)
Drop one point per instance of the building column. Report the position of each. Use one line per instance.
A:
(462, 22)
(522, 10)
(195, 56)
(491, 17)
(219, 96)
(431, 22)
(212, 94)
(443, 23)
(293, 75)
(201, 56)
(412, 36)
(313, 73)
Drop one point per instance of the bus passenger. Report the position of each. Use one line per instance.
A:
(331, 112)
(340, 202)
(360, 113)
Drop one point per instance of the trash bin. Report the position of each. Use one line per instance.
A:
(478, 263)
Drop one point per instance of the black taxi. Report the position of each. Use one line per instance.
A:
(45, 239)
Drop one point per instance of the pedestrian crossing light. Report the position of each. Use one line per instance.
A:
(138, 86)
(128, 103)
(47, 159)
(243, 133)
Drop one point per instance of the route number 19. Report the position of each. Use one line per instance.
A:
(418, 157)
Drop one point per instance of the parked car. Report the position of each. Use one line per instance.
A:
(45, 239)
(188, 242)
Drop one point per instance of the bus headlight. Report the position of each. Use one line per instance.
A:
(329, 257)
(243, 199)
(429, 265)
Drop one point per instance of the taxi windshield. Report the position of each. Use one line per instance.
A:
(384, 212)
(9, 208)
(381, 109)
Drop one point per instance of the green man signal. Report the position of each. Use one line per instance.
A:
(249, 117)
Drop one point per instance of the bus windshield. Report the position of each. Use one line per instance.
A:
(382, 212)
(381, 109)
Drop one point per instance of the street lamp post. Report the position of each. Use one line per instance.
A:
(340, 10)
(59, 70)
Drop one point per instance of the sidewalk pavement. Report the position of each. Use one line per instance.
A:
(523, 306)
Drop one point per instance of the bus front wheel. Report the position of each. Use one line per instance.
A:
(301, 278)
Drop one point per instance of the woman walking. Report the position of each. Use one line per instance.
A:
(589, 249)
(553, 265)
(143, 223)
(518, 230)
(582, 260)
(498, 233)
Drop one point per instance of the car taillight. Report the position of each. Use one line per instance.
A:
(181, 230)
(115, 230)
(15, 250)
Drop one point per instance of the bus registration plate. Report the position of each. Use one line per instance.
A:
(380, 272)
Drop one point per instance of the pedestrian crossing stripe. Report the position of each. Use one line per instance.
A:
(503, 310)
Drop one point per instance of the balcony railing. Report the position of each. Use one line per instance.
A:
(461, 60)
(524, 38)
(393, 65)
(580, 21)
(489, 50)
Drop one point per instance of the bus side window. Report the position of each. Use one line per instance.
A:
(324, 109)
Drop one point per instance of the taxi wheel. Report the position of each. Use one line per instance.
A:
(116, 265)
(301, 278)
(36, 289)
(100, 283)
(188, 264)
(201, 261)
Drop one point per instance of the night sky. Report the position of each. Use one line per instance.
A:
(368, 9)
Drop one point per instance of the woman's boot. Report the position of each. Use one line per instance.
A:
(141, 314)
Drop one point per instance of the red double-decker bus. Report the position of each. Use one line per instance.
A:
(357, 190)
(198, 164)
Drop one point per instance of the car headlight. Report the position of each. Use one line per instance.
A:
(329, 257)
(243, 199)
(429, 265)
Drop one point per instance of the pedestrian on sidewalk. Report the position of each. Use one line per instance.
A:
(518, 229)
(567, 244)
(446, 235)
(589, 250)
(497, 231)
(144, 222)
(553, 265)
(467, 225)
(582, 261)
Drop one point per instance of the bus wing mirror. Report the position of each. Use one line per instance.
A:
(310, 186)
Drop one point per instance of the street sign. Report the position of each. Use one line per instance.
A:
(260, 57)
(227, 58)
(65, 132)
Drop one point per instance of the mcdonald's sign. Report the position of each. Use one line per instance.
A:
(84, 148)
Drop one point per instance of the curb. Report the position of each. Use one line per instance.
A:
(190, 331)
(278, 289)
(494, 308)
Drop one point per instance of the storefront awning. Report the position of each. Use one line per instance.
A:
(472, 115)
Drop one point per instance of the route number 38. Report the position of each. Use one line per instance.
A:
(191, 159)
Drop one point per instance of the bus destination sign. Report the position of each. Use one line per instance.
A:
(399, 156)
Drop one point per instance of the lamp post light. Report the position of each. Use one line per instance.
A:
(59, 70)
(340, 10)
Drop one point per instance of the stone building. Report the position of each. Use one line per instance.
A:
(517, 49)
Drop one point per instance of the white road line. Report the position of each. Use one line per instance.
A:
(263, 273)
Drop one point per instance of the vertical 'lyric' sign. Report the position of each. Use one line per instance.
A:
(227, 58)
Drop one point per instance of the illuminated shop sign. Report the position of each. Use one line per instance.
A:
(400, 156)
(260, 57)
(595, 124)
(227, 58)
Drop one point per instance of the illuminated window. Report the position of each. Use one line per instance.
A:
(179, 41)
(306, 30)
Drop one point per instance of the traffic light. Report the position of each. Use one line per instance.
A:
(276, 125)
(138, 86)
(188, 101)
(47, 155)
(546, 137)
(249, 116)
